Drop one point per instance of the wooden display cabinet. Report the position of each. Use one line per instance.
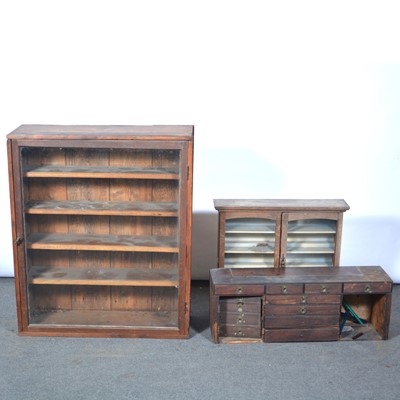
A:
(250, 305)
(279, 233)
(101, 221)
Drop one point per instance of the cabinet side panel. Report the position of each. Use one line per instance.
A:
(13, 165)
(97, 298)
(130, 190)
(338, 240)
(380, 314)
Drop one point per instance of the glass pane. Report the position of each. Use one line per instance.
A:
(103, 306)
(310, 243)
(102, 244)
(249, 242)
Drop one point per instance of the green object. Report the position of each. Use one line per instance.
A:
(352, 312)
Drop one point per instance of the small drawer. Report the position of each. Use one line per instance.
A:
(367, 287)
(301, 321)
(239, 290)
(303, 299)
(323, 288)
(303, 309)
(290, 288)
(302, 335)
(240, 304)
(240, 319)
(245, 331)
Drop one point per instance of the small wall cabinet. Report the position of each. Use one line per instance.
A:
(299, 304)
(102, 229)
(279, 233)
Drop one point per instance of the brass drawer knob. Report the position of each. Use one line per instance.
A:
(284, 290)
(303, 310)
(303, 299)
(239, 290)
(368, 288)
(323, 289)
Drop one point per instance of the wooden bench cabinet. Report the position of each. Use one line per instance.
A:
(299, 304)
(279, 233)
(101, 221)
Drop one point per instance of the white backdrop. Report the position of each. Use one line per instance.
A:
(289, 100)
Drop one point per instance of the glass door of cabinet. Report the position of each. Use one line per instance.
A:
(250, 242)
(103, 230)
(310, 240)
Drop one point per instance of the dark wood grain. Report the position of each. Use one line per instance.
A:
(103, 132)
(103, 277)
(98, 172)
(281, 204)
(121, 208)
(299, 304)
(103, 221)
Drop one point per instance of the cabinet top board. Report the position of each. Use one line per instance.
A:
(249, 276)
(281, 204)
(105, 132)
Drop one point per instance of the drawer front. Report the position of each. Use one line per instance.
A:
(290, 288)
(303, 299)
(367, 287)
(240, 331)
(240, 319)
(322, 288)
(239, 290)
(302, 321)
(302, 309)
(302, 335)
(240, 305)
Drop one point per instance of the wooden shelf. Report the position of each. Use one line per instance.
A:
(56, 241)
(127, 208)
(307, 248)
(250, 227)
(103, 277)
(99, 172)
(105, 319)
(233, 250)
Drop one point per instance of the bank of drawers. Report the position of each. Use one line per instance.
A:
(240, 317)
(290, 312)
(297, 312)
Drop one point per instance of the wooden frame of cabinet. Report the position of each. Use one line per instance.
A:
(253, 305)
(279, 233)
(101, 219)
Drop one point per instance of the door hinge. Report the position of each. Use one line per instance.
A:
(186, 307)
(187, 172)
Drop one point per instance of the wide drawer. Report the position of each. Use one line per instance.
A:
(240, 319)
(240, 304)
(239, 290)
(302, 309)
(301, 321)
(303, 299)
(367, 287)
(240, 331)
(323, 288)
(290, 288)
(302, 335)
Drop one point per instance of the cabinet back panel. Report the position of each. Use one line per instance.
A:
(81, 297)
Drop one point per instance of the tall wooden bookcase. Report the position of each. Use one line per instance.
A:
(101, 220)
